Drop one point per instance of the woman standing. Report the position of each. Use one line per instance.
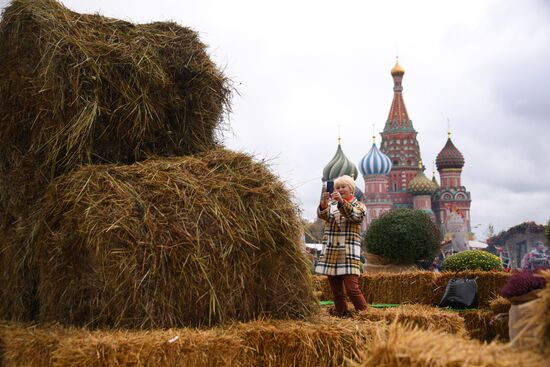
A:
(341, 255)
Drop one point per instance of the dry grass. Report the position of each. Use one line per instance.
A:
(422, 316)
(197, 240)
(326, 341)
(418, 287)
(538, 323)
(80, 89)
(17, 276)
(400, 347)
(500, 305)
(479, 324)
(322, 342)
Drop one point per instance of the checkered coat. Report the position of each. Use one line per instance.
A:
(341, 252)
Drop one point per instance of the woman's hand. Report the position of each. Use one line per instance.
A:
(336, 196)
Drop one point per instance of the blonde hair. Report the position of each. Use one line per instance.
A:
(347, 181)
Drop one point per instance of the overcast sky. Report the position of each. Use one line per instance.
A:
(303, 68)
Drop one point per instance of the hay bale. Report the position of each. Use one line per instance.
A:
(18, 280)
(197, 240)
(401, 346)
(81, 89)
(425, 287)
(389, 268)
(402, 287)
(500, 305)
(319, 342)
(499, 327)
(52, 345)
(30, 345)
(421, 316)
(322, 287)
(478, 324)
(326, 341)
(172, 347)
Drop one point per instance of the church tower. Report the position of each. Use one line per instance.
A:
(451, 202)
(375, 167)
(422, 188)
(400, 145)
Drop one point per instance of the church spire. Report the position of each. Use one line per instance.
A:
(398, 118)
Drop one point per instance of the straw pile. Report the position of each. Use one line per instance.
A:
(17, 276)
(85, 89)
(500, 305)
(419, 348)
(324, 342)
(421, 316)
(539, 322)
(422, 287)
(169, 243)
(479, 324)
(56, 346)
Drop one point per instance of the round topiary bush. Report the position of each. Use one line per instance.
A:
(472, 260)
(403, 236)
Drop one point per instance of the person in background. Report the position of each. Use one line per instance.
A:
(340, 258)
(537, 258)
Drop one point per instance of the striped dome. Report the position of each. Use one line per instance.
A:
(375, 163)
(422, 185)
(449, 157)
(338, 166)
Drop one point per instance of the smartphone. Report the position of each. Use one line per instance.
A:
(330, 186)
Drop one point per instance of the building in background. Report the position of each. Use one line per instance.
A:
(394, 174)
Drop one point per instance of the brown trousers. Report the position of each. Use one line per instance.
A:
(351, 285)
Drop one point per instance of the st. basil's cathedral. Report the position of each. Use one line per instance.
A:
(394, 174)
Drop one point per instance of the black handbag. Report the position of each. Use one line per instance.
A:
(460, 293)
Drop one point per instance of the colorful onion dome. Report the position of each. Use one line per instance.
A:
(338, 166)
(375, 163)
(397, 69)
(449, 157)
(421, 185)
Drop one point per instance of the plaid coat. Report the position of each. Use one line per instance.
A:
(341, 252)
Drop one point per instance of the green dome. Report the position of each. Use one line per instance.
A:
(422, 185)
(338, 166)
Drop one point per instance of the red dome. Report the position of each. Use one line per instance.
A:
(449, 157)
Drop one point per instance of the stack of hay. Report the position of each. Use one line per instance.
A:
(119, 207)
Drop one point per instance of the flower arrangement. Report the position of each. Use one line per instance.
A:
(522, 282)
(472, 260)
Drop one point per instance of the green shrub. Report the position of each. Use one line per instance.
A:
(547, 231)
(472, 260)
(403, 235)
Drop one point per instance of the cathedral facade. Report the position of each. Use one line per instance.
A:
(394, 176)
